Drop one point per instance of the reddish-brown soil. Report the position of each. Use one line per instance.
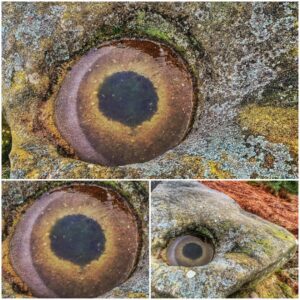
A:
(281, 210)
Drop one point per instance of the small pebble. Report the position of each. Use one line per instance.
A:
(253, 295)
(190, 274)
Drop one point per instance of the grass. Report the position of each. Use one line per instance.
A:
(277, 186)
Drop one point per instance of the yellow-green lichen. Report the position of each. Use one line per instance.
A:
(136, 295)
(147, 26)
(294, 52)
(242, 259)
(266, 245)
(154, 26)
(277, 124)
(287, 290)
(185, 166)
(217, 172)
(282, 235)
(19, 81)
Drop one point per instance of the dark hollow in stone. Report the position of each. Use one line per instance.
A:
(128, 97)
(78, 239)
(192, 251)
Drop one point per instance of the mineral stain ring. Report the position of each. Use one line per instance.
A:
(126, 102)
(75, 242)
(189, 251)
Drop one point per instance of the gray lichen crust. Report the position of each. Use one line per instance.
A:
(243, 57)
(246, 246)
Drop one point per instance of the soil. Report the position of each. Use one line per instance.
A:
(280, 209)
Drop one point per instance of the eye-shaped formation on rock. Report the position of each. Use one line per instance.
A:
(246, 247)
(189, 251)
(77, 241)
(126, 102)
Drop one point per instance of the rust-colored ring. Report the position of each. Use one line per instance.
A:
(100, 139)
(49, 275)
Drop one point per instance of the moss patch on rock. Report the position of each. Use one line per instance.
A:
(269, 287)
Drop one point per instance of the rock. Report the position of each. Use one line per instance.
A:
(16, 198)
(270, 287)
(253, 295)
(243, 57)
(247, 248)
(190, 274)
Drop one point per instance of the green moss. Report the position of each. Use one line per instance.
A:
(141, 24)
(270, 287)
(282, 235)
(155, 26)
(104, 33)
(157, 33)
(140, 17)
(277, 186)
(204, 232)
(267, 246)
(149, 27)
(287, 290)
(114, 185)
(224, 226)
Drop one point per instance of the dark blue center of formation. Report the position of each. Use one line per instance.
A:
(128, 97)
(78, 239)
(192, 251)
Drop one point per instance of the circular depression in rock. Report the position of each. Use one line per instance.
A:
(75, 242)
(189, 251)
(126, 102)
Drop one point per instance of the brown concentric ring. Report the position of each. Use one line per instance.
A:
(99, 139)
(48, 275)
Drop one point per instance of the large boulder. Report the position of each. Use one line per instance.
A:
(247, 248)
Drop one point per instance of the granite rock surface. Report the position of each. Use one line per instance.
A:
(243, 57)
